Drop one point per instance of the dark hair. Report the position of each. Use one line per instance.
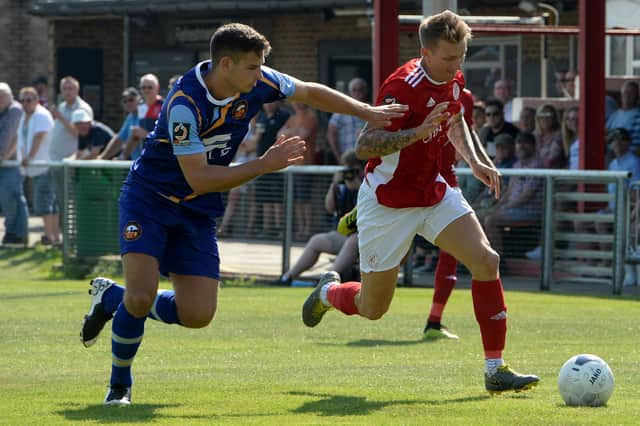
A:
(618, 133)
(234, 39)
(445, 26)
(130, 92)
(526, 137)
(494, 103)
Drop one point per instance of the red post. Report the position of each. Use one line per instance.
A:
(592, 88)
(386, 41)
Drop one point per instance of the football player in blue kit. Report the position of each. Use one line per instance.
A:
(172, 195)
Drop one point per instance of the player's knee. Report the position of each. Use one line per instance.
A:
(197, 319)
(486, 264)
(139, 303)
(373, 312)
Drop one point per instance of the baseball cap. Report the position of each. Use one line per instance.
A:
(130, 92)
(81, 116)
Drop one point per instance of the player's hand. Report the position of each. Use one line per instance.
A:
(433, 121)
(490, 176)
(285, 152)
(381, 115)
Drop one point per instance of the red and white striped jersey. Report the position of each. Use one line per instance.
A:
(411, 177)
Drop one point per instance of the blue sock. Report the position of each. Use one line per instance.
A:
(164, 308)
(112, 298)
(127, 332)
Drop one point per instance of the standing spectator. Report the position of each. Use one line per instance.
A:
(495, 126)
(527, 120)
(42, 86)
(93, 136)
(569, 85)
(12, 202)
(270, 186)
(625, 116)
(570, 137)
(502, 92)
(172, 81)
(303, 123)
(64, 136)
(148, 112)
(548, 138)
(130, 101)
(34, 136)
(343, 129)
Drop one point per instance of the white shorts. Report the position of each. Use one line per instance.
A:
(385, 234)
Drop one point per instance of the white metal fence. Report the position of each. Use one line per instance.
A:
(289, 207)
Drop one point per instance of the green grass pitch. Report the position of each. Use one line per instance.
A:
(257, 363)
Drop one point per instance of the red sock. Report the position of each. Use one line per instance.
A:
(491, 314)
(343, 297)
(445, 280)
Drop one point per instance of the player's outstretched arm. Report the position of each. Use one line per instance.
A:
(203, 177)
(327, 99)
(377, 142)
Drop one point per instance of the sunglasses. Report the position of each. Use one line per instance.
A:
(492, 113)
(27, 100)
(545, 115)
(146, 87)
(127, 100)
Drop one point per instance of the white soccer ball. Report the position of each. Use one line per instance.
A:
(585, 380)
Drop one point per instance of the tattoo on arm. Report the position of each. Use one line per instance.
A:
(379, 142)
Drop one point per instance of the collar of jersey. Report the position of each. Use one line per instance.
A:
(437, 83)
(219, 102)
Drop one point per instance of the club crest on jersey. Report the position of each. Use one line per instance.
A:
(389, 99)
(239, 110)
(456, 91)
(180, 133)
(132, 231)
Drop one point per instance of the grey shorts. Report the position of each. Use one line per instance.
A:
(44, 195)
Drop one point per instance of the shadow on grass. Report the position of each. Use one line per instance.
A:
(113, 414)
(382, 342)
(344, 405)
(38, 295)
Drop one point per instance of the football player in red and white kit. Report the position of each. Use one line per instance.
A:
(404, 194)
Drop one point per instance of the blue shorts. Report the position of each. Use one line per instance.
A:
(183, 241)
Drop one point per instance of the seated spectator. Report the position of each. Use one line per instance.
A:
(570, 137)
(625, 116)
(495, 126)
(502, 92)
(130, 101)
(548, 138)
(527, 120)
(624, 161)
(505, 159)
(478, 117)
(522, 200)
(148, 112)
(341, 198)
(93, 136)
(34, 136)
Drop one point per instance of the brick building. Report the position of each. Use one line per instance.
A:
(108, 44)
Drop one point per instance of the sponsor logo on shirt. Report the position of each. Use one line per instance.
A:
(389, 99)
(431, 102)
(181, 133)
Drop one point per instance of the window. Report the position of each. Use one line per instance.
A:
(623, 53)
(490, 59)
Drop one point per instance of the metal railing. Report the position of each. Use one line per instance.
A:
(83, 177)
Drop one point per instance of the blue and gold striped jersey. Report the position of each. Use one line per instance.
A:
(193, 121)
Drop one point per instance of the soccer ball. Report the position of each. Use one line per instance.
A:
(585, 380)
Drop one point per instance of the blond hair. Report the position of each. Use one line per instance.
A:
(445, 26)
